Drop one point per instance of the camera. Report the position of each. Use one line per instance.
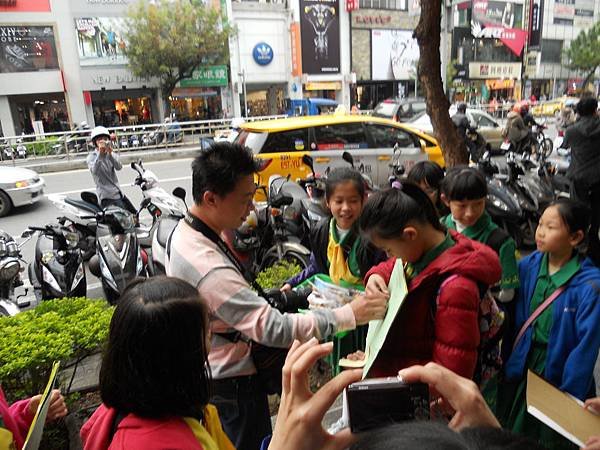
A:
(378, 402)
(289, 301)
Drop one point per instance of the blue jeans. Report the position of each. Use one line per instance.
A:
(244, 411)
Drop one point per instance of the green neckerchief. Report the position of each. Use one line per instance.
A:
(481, 231)
(412, 270)
(478, 232)
(352, 258)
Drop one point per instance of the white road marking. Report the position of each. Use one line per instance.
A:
(93, 188)
(151, 163)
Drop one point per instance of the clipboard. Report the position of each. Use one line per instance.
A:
(378, 329)
(34, 436)
(560, 411)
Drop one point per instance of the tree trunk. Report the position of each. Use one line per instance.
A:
(588, 78)
(428, 34)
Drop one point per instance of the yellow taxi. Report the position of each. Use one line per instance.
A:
(370, 141)
(553, 107)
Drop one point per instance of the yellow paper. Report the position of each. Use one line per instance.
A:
(34, 436)
(378, 329)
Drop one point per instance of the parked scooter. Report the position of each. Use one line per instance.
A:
(57, 270)
(21, 149)
(119, 258)
(10, 278)
(6, 150)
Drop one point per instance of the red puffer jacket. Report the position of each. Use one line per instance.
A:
(451, 337)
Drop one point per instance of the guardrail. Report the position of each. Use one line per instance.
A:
(76, 143)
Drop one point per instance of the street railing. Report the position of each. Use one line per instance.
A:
(76, 143)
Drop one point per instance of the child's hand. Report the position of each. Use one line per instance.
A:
(592, 443)
(356, 356)
(286, 287)
(593, 405)
(56, 410)
(369, 307)
(376, 286)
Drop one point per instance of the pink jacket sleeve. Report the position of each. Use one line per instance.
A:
(384, 269)
(21, 416)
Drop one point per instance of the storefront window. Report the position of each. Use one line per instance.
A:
(122, 112)
(197, 104)
(49, 109)
(27, 49)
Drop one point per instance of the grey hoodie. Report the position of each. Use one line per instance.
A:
(584, 139)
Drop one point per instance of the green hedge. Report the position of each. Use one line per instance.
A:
(56, 330)
(277, 274)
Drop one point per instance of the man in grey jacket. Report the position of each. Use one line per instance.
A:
(583, 137)
(103, 166)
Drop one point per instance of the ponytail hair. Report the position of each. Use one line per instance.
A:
(386, 213)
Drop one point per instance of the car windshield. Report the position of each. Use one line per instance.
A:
(254, 141)
(385, 109)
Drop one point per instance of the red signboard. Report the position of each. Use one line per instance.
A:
(24, 5)
(351, 5)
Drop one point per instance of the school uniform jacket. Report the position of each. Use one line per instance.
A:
(448, 333)
(575, 334)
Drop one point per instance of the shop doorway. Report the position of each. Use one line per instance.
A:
(48, 109)
(122, 112)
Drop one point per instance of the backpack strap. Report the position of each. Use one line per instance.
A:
(496, 239)
(538, 311)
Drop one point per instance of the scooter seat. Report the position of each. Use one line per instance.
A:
(83, 205)
(164, 230)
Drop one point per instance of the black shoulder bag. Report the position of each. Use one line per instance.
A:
(268, 361)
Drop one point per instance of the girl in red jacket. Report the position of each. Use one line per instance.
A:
(439, 325)
(155, 379)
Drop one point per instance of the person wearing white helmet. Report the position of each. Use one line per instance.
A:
(103, 166)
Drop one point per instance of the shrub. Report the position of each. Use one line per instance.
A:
(56, 330)
(277, 274)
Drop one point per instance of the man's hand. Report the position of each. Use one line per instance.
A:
(458, 393)
(376, 285)
(301, 412)
(369, 307)
(56, 410)
(593, 405)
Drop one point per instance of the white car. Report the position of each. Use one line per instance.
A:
(18, 187)
(486, 125)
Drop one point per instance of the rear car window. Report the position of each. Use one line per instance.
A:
(385, 110)
(341, 136)
(251, 139)
(385, 136)
(286, 141)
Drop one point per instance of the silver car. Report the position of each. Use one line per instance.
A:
(486, 125)
(18, 187)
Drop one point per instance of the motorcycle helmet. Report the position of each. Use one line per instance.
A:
(99, 131)
(524, 107)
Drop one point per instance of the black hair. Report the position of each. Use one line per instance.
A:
(344, 175)
(574, 214)
(587, 106)
(155, 364)
(434, 435)
(462, 107)
(464, 183)
(386, 213)
(428, 172)
(218, 169)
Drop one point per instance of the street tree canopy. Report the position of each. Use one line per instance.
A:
(584, 52)
(168, 39)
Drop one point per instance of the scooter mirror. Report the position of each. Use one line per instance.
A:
(348, 158)
(308, 161)
(180, 193)
(27, 233)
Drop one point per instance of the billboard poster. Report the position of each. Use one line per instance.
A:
(27, 48)
(24, 5)
(499, 20)
(320, 31)
(101, 40)
(536, 19)
(394, 54)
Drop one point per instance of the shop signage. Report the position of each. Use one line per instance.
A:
(499, 20)
(323, 86)
(207, 76)
(24, 5)
(513, 38)
(485, 70)
(394, 54)
(296, 50)
(536, 18)
(320, 30)
(122, 79)
(373, 20)
(101, 40)
(262, 54)
(27, 48)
